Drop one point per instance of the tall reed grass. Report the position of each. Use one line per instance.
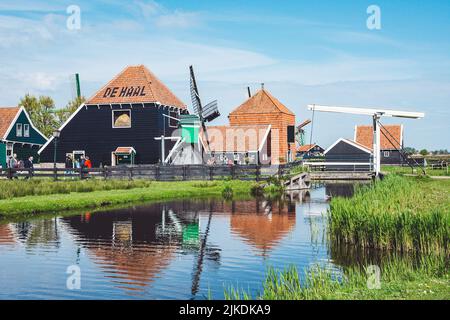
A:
(397, 213)
(427, 277)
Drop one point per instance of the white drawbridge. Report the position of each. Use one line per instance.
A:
(376, 114)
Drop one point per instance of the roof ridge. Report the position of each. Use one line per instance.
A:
(275, 101)
(146, 72)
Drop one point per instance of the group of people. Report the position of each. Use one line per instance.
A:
(82, 163)
(14, 163)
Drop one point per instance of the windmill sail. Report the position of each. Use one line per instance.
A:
(207, 113)
(195, 97)
(211, 111)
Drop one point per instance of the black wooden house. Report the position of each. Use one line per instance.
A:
(128, 113)
(348, 156)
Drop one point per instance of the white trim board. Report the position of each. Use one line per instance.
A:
(11, 125)
(348, 142)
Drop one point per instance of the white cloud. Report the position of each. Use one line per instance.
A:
(178, 19)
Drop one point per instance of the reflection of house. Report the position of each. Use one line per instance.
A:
(261, 224)
(264, 109)
(240, 144)
(309, 150)
(391, 142)
(18, 135)
(132, 246)
(130, 111)
(6, 235)
(347, 151)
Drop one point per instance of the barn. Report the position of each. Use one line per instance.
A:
(120, 124)
(391, 142)
(18, 135)
(264, 109)
(348, 151)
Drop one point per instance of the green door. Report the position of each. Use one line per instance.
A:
(2, 154)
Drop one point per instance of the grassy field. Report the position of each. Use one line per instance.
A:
(408, 170)
(400, 213)
(124, 194)
(36, 187)
(399, 280)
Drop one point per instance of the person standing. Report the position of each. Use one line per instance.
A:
(88, 163)
(28, 164)
(69, 164)
(13, 164)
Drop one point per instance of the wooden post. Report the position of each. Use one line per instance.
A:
(157, 173)
(232, 172)
(258, 168)
(211, 173)
(105, 173)
(130, 176)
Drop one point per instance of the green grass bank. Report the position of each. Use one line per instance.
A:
(68, 195)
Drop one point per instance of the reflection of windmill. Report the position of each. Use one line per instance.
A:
(300, 133)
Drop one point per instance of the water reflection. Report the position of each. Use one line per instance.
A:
(183, 249)
(133, 245)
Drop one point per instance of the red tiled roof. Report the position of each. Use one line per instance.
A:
(7, 115)
(136, 84)
(364, 136)
(306, 147)
(261, 102)
(236, 138)
(127, 150)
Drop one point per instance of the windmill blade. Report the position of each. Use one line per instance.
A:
(211, 111)
(195, 97)
(304, 123)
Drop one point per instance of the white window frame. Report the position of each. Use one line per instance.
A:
(173, 114)
(10, 148)
(26, 130)
(386, 154)
(120, 110)
(19, 130)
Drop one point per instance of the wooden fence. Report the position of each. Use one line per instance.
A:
(154, 172)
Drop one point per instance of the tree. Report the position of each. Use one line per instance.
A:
(409, 150)
(424, 152)
(41, 112)
(63, 114)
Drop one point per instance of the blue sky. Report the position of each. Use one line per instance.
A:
(304, 51)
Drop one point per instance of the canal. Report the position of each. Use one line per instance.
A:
(190, 249)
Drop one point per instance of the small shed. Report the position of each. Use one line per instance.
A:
(345, 151)
(123, 156)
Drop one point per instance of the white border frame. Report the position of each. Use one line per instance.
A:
(120, 110)
(19, 131)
